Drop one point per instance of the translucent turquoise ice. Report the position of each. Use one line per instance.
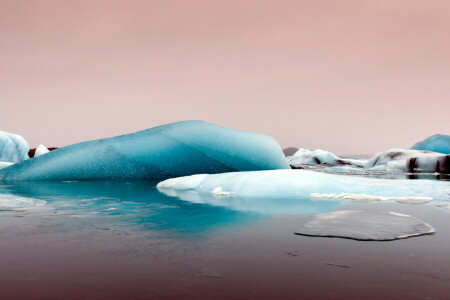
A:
(171, 150)
(437, 143)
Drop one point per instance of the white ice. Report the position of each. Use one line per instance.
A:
(405, 160)
(369, 198)
(318, 156)
(13, 147)
(302, 183)
(40, 150)
(4, 164)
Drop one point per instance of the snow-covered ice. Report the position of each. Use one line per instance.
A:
(177, 149)
(437, 143)
(365, 225)
(13, 147)
(302, 183)
(41, 149)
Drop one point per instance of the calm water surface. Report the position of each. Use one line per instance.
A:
(125, 239)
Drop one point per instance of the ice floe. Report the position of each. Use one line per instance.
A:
(365, 226)
(302, 183)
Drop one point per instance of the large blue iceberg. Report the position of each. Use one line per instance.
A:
(171, 150)
(436, 143)
(13, 147)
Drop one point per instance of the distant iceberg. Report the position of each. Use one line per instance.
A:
(13, 147)
(177, 149)
(411, 161)
(437, 143)
(319, 156)
(40, 150)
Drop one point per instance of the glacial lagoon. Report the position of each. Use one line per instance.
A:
(126, 239)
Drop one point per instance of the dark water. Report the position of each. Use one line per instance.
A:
(126, 240)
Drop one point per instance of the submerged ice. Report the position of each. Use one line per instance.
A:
(365, 226)
(177, 149)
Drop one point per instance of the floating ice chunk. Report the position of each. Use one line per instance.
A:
(41, 149)
(177, 149)
(301, 183)
(4, 164)
(13, 202)
(437, 143)
(365, 226)
(13, 147)
(219, 192)
(412, 161)
(318, 156)
(369, 198)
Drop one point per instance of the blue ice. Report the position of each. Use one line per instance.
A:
(171, 150)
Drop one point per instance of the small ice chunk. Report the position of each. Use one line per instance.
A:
(41, 149)
(369, 198)
(219, 192)
(365, 226)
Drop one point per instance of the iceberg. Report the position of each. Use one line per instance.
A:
(40, 150)
(302, 183)
(319, 156)
(13, 147)
(172, 150)
(365, 226)
(437, 143)
(412, 161)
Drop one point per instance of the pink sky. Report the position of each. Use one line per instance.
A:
(345, 76)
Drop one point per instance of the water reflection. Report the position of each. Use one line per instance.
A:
(139, 204)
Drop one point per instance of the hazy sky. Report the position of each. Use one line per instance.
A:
(346, 76)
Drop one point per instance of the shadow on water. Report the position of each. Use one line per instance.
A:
(137, 203)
